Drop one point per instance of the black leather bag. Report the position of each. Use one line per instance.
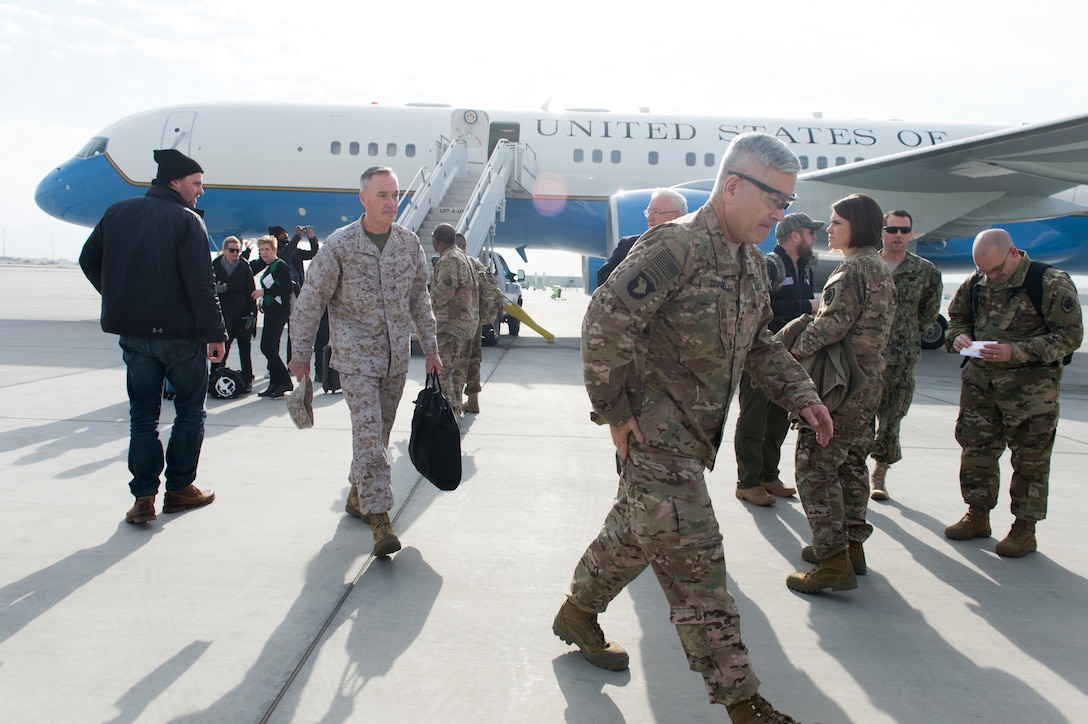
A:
(435, 444)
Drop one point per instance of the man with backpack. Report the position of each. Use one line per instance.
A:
(1015, 321)
(491, 304)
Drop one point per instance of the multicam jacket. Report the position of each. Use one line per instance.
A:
(374, 299)
(665, 339)
(455, 291)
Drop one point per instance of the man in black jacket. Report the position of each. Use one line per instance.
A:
(234, 285)
(762, 425)
(148, 258)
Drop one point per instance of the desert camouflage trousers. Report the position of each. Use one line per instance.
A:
(663, 518)
(475, 360)
(1017, 408)
(372, 402)
(833, 484)
(455, 349)
(894, 403)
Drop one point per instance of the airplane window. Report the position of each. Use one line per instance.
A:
(804, 162)
(598, 156)
(859, 158)
(579, 155)
(708, 160)
(821, 162)
(615, 157)
(93, 147)
(372, 149)
(334, 148)
(689, 159)
(391, 149)
(353, 148)
(653, 158)
(840, 161)
(410, 150)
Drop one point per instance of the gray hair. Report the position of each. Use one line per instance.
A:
(756, 149)
(372, 172)
(678, 199)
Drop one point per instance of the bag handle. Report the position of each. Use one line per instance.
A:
(434, 381)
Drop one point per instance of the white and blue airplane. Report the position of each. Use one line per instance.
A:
(593, 170)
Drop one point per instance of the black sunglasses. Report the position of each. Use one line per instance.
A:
(781, 205)
(898, 229)
(231, 250)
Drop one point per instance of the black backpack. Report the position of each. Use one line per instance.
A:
(1032, 286)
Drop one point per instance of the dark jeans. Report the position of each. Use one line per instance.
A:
(275, 318)
(150, 361)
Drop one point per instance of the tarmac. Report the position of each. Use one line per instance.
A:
(267, 607)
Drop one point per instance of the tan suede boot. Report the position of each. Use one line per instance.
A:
(351, 507)
(580, 628)
(385, 540)
(834, 572)
(857, 557)
(473, 402)
(974, 524)
(1020, 541)
(142, 511)
(757, 710)
(879, 492)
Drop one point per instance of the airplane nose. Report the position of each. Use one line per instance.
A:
(48, 193)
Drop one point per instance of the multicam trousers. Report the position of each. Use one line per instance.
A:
(663, 518)
(1017, 408)
(372, 402)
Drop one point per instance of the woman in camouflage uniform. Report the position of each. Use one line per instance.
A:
(857, 309)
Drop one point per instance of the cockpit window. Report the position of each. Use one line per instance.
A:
(94, 147)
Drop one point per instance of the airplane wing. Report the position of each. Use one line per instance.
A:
(959, 188)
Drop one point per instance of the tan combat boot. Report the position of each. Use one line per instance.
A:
(857, 557)
(757, 710)
(578, 627)
(974, 524)
(835, 572)
(1020, 541)
(473, 403)
(352, 506)
(880, 470)
(385, 541)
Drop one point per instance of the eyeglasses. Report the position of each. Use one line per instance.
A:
(898, 229)
(232, 250)
(780, 205)
(651, 213)
(997, 269)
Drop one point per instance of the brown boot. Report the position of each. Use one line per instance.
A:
(834, 572)
(473, 402)
(176, 501)
(857, 557)
(1020, 541)
(777, 487)
(580, 628)
(974, 524)
(757, 710)
(142, 511)
(755, 496)
(352, 506)
(385, 541)
(879, 492)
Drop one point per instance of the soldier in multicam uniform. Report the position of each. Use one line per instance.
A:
(919, 287)
(664, 342)
(1010, 390)
(857, 309)
(372, 276)
(491, 303)
(455, 298)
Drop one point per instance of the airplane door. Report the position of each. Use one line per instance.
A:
(471, 125)
(502, 129)
(177, 132)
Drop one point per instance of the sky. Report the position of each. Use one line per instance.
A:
(71, 67)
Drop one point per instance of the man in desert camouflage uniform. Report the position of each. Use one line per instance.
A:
(664, 342)
(455, 298)
(1010, 390)
(372, 276)
(918, 286)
